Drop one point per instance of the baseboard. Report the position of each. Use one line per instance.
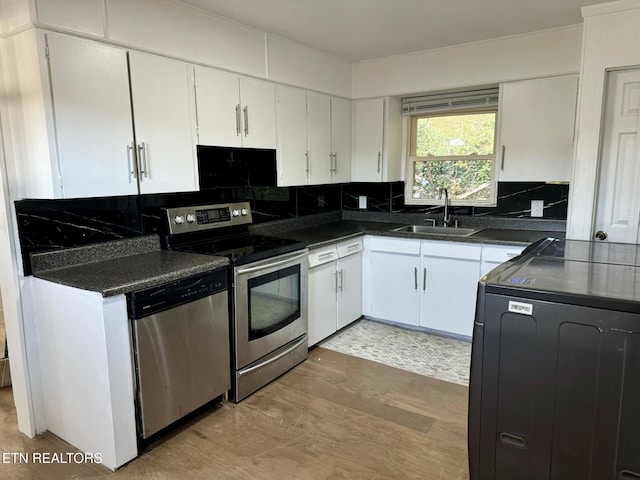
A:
(5, 373)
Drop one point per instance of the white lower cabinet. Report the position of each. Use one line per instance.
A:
(422, 283)
(391, 273)
(449, 286)
(428, 284)
(335, 288)
(494, 255)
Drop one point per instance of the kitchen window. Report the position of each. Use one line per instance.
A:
(451, 146)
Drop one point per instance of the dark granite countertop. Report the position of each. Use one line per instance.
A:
(326, 233)
(121, 266)
(136, 272)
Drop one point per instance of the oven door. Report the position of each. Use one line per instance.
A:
(270, 301)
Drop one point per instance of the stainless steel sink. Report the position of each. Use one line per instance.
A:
(428, 229)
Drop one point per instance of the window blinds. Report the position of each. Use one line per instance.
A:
(451, 102)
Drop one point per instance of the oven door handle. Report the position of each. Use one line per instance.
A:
(288, 259)
(274, 359)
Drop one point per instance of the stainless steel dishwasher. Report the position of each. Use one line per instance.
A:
(181, 348)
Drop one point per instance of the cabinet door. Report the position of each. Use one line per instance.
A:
(368, 141)
(218, 106)
(449, 287)
(322, 302)
(258, 113)
(92, 115)
(291, 114)
(349, 271)
(161, 96)
(341, 139)
(393, 287)
(319, 138)
(537, 119)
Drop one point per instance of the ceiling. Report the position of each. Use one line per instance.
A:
(363, 29)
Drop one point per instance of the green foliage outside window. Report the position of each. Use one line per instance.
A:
(454, 152)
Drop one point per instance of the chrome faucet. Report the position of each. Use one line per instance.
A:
(447, 219)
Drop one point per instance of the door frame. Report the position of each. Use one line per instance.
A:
(603, 128)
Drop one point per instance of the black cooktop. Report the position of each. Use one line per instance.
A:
(243, 249)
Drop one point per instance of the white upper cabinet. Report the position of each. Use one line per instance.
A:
(92, 116)
(99, 153)
(160, 96)
(537, 120)
(319, 138)
(377, 145)
(341, 140)
(218, 106)
(234, 111)
(314, 138)
(291, 115)
(257, 98)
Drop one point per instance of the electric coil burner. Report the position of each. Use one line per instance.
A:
(267, 294)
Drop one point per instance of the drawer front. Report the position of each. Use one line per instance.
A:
(349, 247)
(322, 256)
(457, 250)
(394, 245)
(500, 253)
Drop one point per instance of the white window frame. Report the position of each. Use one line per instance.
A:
(411, 159)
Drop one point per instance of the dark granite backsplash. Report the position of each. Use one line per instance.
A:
(45, 225)
(514, 200)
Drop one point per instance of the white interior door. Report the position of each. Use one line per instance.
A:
(618, 209)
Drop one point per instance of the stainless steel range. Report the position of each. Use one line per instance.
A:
(268, 289)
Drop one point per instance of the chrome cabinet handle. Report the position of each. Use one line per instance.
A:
(424, 280)
(324, 256)
(142, 151)
(331, 163)
(628, 475)
(415, 277)
(245, 110)
(341, 279)
(379, 161)
(237, 119)
(504, 150)
(132, 170)
(308, 169)
(601, 235)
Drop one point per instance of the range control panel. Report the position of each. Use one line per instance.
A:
(197, 218)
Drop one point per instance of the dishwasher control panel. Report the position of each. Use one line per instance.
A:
(168, 295)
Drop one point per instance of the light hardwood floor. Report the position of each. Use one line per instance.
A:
(333, 417)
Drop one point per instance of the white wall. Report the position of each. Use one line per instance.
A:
(14, 14)
(172, 28)
(611, 40)
(538, 54)
(294, 64)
